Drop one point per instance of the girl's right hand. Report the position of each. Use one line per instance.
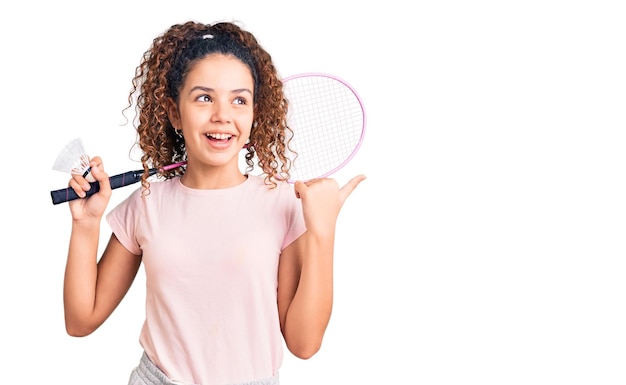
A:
(93, 206)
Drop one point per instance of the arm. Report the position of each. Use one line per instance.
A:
(92, 289)
(305, 271)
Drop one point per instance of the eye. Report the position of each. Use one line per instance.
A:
(204, 98)
(240, 100)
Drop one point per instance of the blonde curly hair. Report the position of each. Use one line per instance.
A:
(161, 74)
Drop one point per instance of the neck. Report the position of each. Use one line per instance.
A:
(211, 178)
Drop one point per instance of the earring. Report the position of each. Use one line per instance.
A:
(179, 133)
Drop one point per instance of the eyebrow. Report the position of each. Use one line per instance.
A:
(209, 89)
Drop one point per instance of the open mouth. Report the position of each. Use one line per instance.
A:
(219, 137)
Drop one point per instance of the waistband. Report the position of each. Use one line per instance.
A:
(147, 373)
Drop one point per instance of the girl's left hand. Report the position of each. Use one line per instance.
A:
(322, 200)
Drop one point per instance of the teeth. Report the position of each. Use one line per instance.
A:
(219, 136)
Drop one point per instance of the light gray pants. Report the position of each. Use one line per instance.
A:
(146, 373)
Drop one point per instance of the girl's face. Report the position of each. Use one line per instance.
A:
(215, 111)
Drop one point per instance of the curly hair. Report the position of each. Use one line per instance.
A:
(161, 74)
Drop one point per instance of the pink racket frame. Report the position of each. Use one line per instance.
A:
(358, 98)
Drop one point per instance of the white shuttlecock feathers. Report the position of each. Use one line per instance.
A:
(73, 159)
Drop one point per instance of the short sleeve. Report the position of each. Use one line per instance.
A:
(295, 219)
(124, 219)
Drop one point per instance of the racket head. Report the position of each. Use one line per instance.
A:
(328, 121)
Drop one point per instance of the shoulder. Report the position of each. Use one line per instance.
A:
(259, 182)
(156, 189)
(258, 185)
(162, 185)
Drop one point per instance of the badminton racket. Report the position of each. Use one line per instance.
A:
(328, 121)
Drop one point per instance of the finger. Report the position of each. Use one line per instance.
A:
(347, 189)
(79, 186)
(81, 183)
(299, 188)
(96, 161)
(97, 170)
(313, 181)
(302, 186)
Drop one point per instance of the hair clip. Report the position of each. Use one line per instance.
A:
(207, 36)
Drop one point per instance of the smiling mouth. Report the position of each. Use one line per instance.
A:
(219, 137)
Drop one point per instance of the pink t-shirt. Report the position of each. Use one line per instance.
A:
(211, 259)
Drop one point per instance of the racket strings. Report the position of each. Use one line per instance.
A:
(327, 119)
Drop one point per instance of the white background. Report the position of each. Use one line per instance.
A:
(486, 245)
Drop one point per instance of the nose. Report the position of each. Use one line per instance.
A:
(221, 112)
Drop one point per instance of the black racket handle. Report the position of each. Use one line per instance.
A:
(117, 181)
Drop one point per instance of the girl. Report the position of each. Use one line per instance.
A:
(234, 262)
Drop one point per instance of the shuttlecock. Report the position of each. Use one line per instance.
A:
(73, 159)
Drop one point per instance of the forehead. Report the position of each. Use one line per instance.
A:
(218, 69)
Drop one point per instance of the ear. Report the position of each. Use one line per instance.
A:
(173, 114)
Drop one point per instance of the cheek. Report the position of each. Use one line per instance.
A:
(245, 123)
(196, 119)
